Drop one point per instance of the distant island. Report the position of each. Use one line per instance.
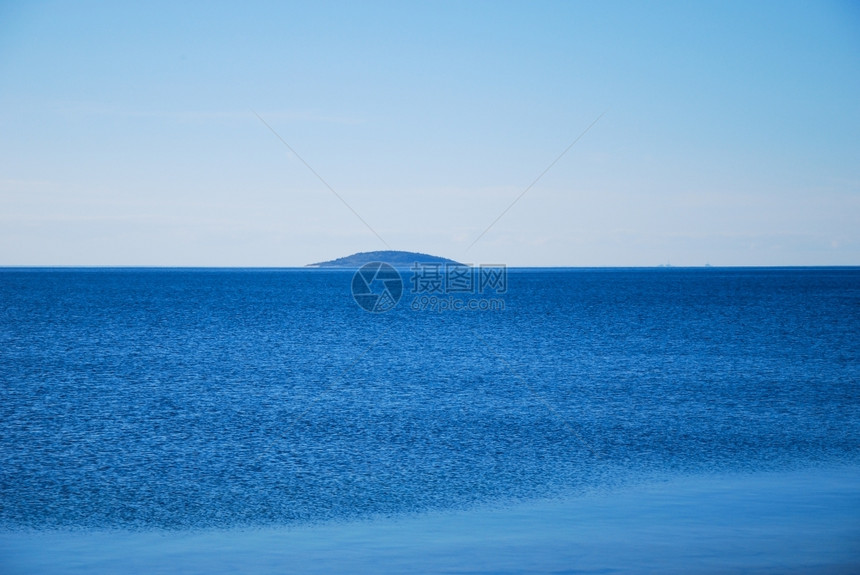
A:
(394, 257)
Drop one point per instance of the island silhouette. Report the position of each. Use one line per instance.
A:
(394, 258)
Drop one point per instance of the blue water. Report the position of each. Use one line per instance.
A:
(171, 399)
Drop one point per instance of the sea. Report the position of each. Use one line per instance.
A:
(557, 420)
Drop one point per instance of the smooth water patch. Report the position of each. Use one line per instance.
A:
(794, 522)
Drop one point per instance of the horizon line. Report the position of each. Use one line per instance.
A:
(313, 267)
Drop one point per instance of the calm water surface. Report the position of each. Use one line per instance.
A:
(177, 399)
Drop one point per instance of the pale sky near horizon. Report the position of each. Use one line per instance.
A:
(731, 133)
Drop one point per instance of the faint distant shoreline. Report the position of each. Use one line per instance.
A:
(392, 257)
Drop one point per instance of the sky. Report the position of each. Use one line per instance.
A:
(721, 133)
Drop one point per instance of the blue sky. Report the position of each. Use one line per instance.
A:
(731, 132)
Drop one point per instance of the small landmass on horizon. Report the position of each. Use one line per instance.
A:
(395, 258)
